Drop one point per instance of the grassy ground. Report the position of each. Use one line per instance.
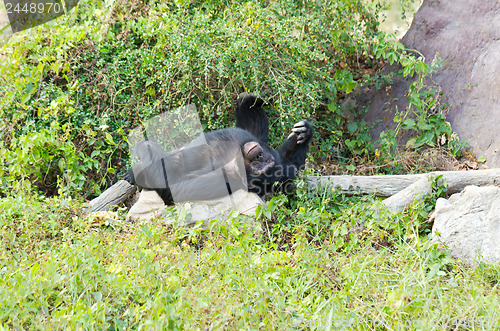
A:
(327, 263)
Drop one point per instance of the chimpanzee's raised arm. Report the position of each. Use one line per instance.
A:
(296, 146)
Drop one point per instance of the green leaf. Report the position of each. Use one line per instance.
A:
(352, 127)
(351, 167)
(411, 142)
(350, 86)
(421, 67)
(109, 139)
(409, 123)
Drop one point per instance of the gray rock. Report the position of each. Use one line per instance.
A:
(468, 224)
(466, 35)
(150, 205)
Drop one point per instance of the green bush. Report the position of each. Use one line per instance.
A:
(85, 80)
(101, 71)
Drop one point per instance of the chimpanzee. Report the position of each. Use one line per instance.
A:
(212, 165)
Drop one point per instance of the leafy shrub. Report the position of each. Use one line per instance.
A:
(92, 76)
(154, 56)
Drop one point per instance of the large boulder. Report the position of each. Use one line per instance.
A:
(466, 34)
(468, 224)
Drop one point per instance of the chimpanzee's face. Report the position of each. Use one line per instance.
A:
(257, 159)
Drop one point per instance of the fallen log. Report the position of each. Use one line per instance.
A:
(420, 185)
(416, 191)
(403, 189)
(114, 195)
(379, 185)
(388, 185)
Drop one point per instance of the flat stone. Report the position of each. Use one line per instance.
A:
(150, 205)
(468, 224)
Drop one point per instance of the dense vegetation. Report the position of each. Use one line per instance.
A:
(73, 89)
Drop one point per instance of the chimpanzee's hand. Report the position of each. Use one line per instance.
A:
(302, 131)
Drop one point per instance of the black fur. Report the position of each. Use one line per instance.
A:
(195, 170)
